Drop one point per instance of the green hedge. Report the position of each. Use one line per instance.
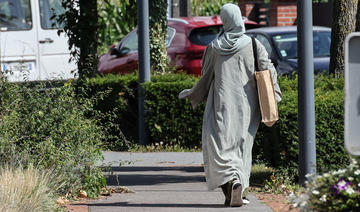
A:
(48, 129)
(118, 108)
(172, 121)
(169, 119)
(329, 110)
(208, 7)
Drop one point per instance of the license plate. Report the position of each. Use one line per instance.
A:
(16, 67)
(18, 71)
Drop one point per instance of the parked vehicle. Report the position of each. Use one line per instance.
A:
(186, 40)
(281, 45)
(29, 44)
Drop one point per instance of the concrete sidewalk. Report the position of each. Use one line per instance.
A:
(163, 182)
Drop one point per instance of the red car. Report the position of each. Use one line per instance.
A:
(186, 41)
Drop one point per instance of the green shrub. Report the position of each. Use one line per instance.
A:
(173, 121)
(208, 7)
(118, 106)
(48, 128)
(116, 20)
(169, 119)
(283, 139)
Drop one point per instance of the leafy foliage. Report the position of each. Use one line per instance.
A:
(158, 14)
(158, 53)
(120, 99)
(338, 190)
(116, 19)
(329, 119)
(169, 119)
(158, 29)
(80, 23)
(208, 7)
(118, 107)
(49, 129)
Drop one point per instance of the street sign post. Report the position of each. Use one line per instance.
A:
(352, 94)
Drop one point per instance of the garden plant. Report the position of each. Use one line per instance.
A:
(47, 131)
(337, 190)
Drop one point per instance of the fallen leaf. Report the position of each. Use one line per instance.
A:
(60, 201)
(82, 194)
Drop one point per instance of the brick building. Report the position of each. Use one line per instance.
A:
(284, 12)
(275, 13)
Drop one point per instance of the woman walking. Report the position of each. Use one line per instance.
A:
(232, 112)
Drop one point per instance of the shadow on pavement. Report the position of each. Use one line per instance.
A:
(140, 176)
(156, 168)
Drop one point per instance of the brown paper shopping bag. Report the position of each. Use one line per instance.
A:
(266, 93)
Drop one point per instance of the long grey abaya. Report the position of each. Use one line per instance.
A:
(232, 113)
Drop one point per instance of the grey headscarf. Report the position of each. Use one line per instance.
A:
(232, 39)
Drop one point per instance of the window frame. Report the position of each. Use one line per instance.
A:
(127, 37)
(122, 43)
(31, 19)
(41, 24)
(314, 32)
(172, 37)
(195, 42)
(277, 49)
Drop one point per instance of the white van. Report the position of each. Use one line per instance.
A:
(29, 44)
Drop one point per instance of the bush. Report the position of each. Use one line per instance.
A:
(329, 110)
(208, 7)
(116, 20)
(48, 128)
(169, 119)
(172, 121)
(118, 106)
(27, 190)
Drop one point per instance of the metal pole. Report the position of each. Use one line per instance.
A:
(307, 147)
(169, 10)
(144, 63)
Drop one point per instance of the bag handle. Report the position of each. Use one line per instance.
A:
(255, 53)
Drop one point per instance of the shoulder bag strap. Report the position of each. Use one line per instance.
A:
(255, 53)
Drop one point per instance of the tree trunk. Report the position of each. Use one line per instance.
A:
(357, 28)
(88, 22)
(344, 15)
(158, 31)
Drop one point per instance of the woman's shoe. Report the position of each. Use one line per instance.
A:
(236, 199)
(246, 201)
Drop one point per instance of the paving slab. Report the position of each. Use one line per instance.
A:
(164, 182)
